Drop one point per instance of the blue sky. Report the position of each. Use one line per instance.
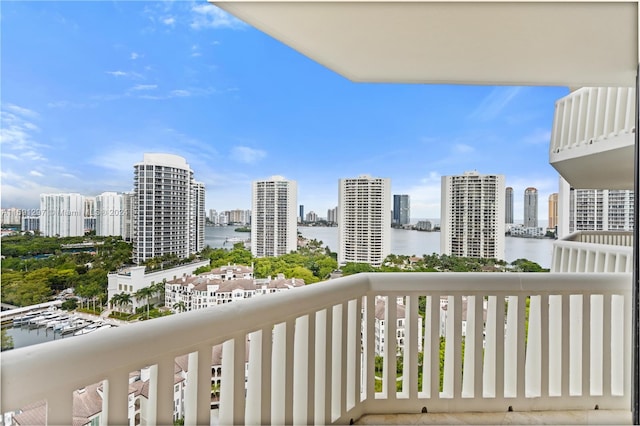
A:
(88, 87)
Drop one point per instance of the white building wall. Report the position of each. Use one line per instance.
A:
(166, 208)
(109, 214)
(364, 220)
(472, 220)
(274, 221)
(130, 280)
(62, 215)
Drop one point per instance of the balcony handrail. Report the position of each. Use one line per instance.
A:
(53, 370)
(619, 238)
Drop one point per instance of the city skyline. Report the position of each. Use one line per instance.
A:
(186, 78)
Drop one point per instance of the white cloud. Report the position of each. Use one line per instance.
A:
(119, 73)
(170, 21)
(180, 93)
(144, 87)
(35, 173)
(134, 56)
(244, 154)
(494, 103)
(210, 16)
(25, 112)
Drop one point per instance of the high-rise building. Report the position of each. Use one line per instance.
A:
(401, 209)
(62, 215)
(600, 210)
(553, 210)
(12, 216)
(311, 217)
(301, 214)
(508, 212)
(332, 215)
(198, 217)
(168, 208)
(127, 216)
(364, 220)
(274, 223)
(109, 214)
(89, 214)
(531, 208)
(472, 222)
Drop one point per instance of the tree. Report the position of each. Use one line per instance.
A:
(180, 306)
(7, 341)
(145, 293)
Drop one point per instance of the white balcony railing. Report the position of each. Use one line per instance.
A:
(594, 251)
(549, 341)
(593, 131)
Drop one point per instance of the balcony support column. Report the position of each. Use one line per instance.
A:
(635, 392)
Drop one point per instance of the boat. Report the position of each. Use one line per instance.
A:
(74, 326)
(88, 329)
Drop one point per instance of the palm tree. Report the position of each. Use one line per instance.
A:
(115, 300)
(145, 293)
(125, 300)
(158, 290)
(180, 306)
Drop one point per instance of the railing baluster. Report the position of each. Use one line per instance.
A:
(545, 369)
(161, 391)
(511, 349)
(344, 371)
(278, 375)
(606, 345)
(521, 357)
(266, 359)
(311, 366)
(300, 369)
(431, 359)
(226, 385)
(358, 344)
(115, 402)
(328, 366)
(287, 371)
(617, 336)
(369, 375)
(566, 347)
(586, 344)
(453, 345)
(410, 356)
(352, 354)
(555, 345)
(239, 377)
(575, 344)
(390, 376)
(254, 386)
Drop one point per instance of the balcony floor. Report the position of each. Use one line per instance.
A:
(594, 417)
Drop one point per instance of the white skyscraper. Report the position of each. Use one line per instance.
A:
(109, 214)
(168, 208)
(364, 220)
(472, 221)
(274, 219)
(62, 215)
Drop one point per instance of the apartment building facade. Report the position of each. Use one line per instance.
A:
(274, 220)
(62, 215)
(472, 222)
(364, 220)
(168, 207)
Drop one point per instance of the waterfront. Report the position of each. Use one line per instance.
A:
(403, 242)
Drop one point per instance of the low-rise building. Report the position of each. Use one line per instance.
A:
(131, 279)
(222, 285)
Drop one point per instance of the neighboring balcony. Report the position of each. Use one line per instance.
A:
(592, 141)
(533, 341)
(594, 251)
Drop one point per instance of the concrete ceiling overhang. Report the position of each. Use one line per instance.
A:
(574, 43)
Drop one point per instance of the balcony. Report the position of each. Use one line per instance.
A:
(594, 251)
(556, 342)
(592, 141)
